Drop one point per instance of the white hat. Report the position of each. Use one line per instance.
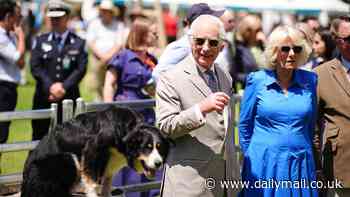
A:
(57, 8)
(108, 5)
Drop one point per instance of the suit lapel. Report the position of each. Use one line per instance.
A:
(340, 76)
(195, 78)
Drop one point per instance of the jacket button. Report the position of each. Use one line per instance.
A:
(59, 59)
(58, 75)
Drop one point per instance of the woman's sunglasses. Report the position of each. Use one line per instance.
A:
(201, 41)
(296, 49)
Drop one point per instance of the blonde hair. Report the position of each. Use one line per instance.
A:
(277, 37)
(138, 34)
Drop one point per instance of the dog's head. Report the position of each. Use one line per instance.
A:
(146, 145)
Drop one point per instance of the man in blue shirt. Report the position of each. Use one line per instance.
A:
(12, 48)
(178, 50)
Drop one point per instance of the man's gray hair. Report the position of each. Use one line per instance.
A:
(202, 19)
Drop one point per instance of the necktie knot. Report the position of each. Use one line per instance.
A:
(212, 81)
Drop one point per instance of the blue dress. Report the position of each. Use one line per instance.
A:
(276, 133)
(133, 75)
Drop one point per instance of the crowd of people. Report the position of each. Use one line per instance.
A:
(294, 111)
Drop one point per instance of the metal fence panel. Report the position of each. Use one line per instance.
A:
(18, 146)
(141, 187)
(135, 104)
(68, 113)
(67, 110)
(29, 145)
(25, 115)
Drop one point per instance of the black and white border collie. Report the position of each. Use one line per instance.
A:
(88, 150)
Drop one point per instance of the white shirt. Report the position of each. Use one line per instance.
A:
(105, 37)
(9, 71)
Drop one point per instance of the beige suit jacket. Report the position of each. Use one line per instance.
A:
(334, 108)
(199, 145)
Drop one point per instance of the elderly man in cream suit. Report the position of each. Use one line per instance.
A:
(192, 102)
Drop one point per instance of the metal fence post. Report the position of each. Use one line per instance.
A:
(67, 110)
(53, 121)
(236, 99)
(81, 106)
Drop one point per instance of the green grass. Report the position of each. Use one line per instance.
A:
(21, 130)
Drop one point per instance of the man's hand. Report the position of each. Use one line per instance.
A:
(214, 102)
(57, 91)
(19, 33)
(52, 98)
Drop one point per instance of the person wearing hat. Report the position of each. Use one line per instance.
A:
(179, 49)
(58, 64)
(105, 37)
(136, 13)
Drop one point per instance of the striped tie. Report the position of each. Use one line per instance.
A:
(212, 81)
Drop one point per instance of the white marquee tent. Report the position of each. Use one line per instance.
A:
(298, 5)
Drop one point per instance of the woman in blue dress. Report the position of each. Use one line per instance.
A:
(129, 72)
(277, 118)
(129, 77)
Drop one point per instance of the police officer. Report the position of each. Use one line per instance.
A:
(58, 63)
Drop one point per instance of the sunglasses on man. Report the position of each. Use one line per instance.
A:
(345, 18)
(296, 49)
(200, 41)
(346, 39)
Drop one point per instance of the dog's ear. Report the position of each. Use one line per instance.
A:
(134, 118)
(132, 142)
(133, 133)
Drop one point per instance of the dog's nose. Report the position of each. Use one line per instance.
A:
(158, 164)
